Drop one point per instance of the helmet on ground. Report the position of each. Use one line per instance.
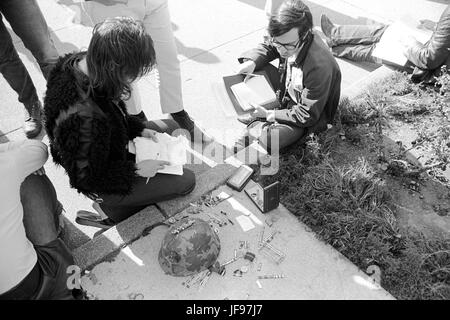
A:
(189, 246)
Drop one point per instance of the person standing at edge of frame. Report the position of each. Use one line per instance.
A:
(27, 21)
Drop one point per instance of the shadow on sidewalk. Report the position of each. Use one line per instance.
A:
(3, 137)
(194, 53)
(317, 10)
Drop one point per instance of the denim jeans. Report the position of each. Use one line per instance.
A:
(356, 42)
(41, 209)
(29, 24)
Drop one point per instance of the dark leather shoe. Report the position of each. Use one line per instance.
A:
(248, 119)
(33, 124)
(185, 122)
(92, 219)
(327, 27)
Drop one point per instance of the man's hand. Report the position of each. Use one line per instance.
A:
(151, 134)
(259, 112)
(149, 168)
(246, 67)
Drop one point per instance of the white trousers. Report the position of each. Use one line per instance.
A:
(156, 18)
(272, 6)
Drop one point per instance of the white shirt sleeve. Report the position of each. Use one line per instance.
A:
(28, 155)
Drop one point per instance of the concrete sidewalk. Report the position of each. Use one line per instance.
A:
(210, 35)
(312, 269)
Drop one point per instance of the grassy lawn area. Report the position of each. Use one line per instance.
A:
(375, 186)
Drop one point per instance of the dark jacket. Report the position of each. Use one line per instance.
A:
(428, 58)
(89, 136)
(321, 83)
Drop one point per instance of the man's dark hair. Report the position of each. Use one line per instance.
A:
(119, 52)
(291, 14)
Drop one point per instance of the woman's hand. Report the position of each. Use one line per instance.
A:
(149, 168)
(149, 133)
(259, 112)
(40, 172)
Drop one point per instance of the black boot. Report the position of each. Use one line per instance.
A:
(33, 124)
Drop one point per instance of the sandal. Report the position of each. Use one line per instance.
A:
(92, 219)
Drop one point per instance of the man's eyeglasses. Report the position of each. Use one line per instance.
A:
(287, 46)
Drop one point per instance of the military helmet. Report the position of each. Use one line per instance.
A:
(189, 246)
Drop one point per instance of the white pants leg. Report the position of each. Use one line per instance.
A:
(272, 6)
(156, 18)
(158, 25)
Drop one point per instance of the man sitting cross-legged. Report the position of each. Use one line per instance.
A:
(307, 82)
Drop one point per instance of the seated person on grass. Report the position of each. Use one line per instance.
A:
(307, 81)
(357, 42)
(33, 259)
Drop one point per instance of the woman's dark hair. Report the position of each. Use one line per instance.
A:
(120, 51)
(291, 14)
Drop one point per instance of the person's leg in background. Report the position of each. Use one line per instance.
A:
(158, 24)
(27, 21)
(272, 6)
(359, 53)
(17, 76)
(351, 34)
(41, 218)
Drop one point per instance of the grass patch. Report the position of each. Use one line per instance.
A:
(349, 205)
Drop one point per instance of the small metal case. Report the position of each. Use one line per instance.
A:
(240, 178)
(266, 198)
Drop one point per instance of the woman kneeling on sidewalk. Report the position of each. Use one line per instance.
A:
(89, 127)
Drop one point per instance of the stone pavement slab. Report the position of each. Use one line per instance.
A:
(313, 270)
